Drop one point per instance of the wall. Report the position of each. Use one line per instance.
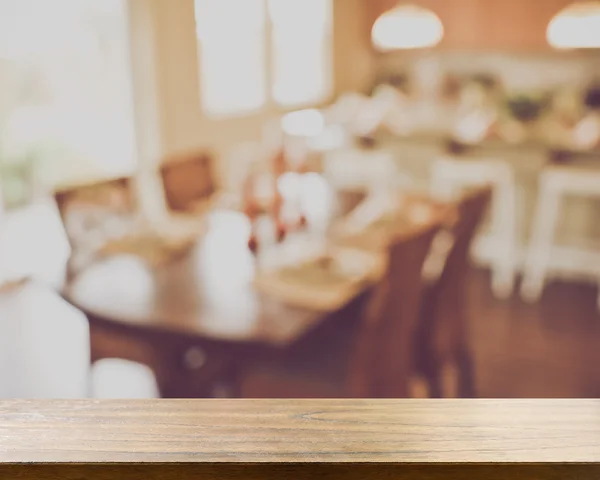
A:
(353, 65)
(180, 119)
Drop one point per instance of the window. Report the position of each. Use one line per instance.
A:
(65, 90)
(234, 53)
(301, 55)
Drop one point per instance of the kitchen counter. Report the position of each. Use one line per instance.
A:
(578, 232)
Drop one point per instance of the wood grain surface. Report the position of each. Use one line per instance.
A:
(300, 439)
(314, 431)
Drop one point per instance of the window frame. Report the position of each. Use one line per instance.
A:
(270, 102)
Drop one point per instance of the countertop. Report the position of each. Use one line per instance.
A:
(338, 438)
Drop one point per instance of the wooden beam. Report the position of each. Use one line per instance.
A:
(268, 439)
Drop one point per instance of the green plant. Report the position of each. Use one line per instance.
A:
(592, 97)
(526, 108)
(17, 177)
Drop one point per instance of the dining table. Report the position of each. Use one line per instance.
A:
(199, 320)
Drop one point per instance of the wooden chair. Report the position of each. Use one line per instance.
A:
(188, 181)
(441, 337)
(384, 351)
(87, 212)
(452, 174)
(366, 349)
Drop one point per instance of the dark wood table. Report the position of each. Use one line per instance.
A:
(196, 321)
(303, 439)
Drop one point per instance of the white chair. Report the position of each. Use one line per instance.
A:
(450, 175)
(554, 185)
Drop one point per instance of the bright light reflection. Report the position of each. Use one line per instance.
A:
(232, 55)
(294, 14)
(407, 27)
(226, 259)
(303, 123)
(332, 137)
(316, 198)
(310, 192)
(587, 133)
(300, 52)
(473, 128)
(290, 185)
(228, 268)
(40, 27)
(577, 26)
(66, 73)
(126, 280)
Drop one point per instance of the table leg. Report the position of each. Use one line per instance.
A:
(183, 367)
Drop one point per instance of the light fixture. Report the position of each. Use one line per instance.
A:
(576, 26)
(407, 26)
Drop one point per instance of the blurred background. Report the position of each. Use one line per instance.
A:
(299, 198)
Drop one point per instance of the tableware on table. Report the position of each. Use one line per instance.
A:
(325, 279)
(379, 218)
(153, 249)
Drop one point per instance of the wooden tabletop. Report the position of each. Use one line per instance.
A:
(384, 431)
(209, 292)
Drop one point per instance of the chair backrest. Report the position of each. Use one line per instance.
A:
(442, 324)
(187, 180)
(451, 174)
(383, 358)
(471, 207)
(84, 209)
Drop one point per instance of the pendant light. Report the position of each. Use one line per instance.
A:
(576, 26)
(407, 26)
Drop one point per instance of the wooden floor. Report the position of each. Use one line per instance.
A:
(546, 350)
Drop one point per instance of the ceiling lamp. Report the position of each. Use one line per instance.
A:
(407, 26)
(576, 26)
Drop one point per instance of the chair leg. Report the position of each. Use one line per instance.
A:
(540, 245)
(466, 374)
(434, 380)
(429, 368)
(505, 219)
